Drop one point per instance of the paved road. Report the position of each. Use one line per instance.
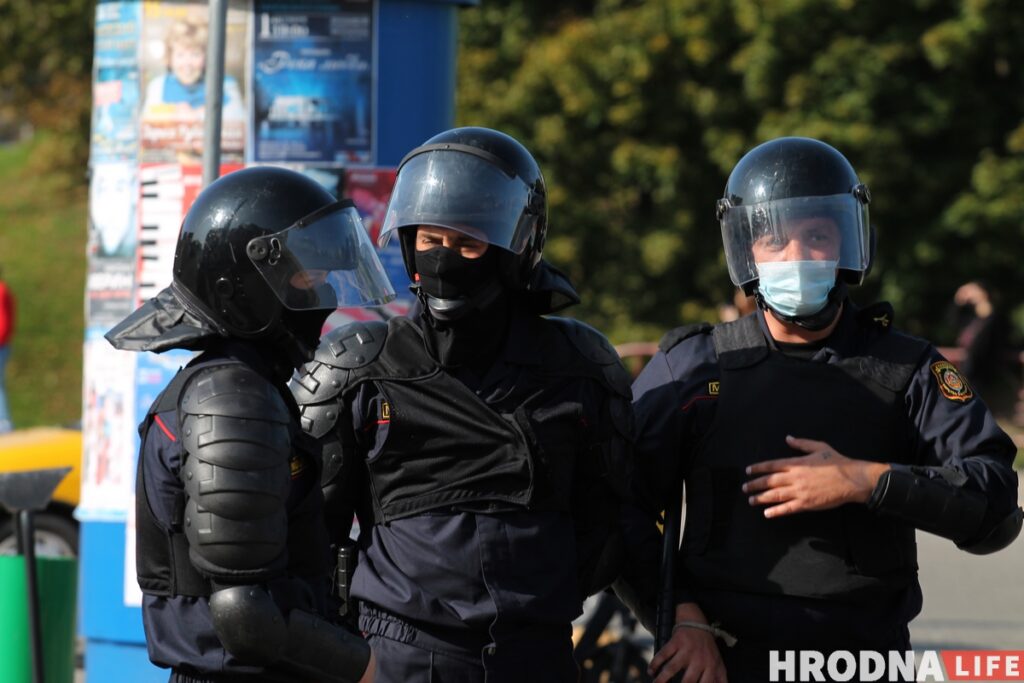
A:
(970, 602)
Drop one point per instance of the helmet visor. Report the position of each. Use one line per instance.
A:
(322, 261)
(832, 227)
(463, 192)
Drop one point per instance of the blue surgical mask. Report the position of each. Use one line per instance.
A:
(796, 288)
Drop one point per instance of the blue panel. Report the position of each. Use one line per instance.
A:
(104, 615)
(120, 663)
(416, 75)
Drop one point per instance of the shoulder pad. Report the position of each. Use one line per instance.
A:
(878, 315)
(344, 348)
(673, 337)
(588, 341)
(894, 356)
(596, 349)
(233, 390)
(740, 343)
(352, 346)
(317, 382)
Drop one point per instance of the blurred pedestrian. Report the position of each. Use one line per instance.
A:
(6, 332)
(983, 336)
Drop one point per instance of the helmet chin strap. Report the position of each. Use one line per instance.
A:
(449, 310)
(815, 321)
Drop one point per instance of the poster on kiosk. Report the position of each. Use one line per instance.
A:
(337, 89)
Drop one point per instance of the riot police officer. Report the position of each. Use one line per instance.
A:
(483, 447)
(232, 553)
(813, 437)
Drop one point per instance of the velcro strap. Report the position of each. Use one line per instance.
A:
(186, 579)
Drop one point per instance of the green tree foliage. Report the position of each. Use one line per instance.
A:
(637, 111)
(46, 78)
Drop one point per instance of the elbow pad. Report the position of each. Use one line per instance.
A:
(251, 627)
(937, 505)
(249, 624)
(1002, 535)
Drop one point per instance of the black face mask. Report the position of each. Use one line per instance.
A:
(470, 341)
(305, 325)
(446, 274)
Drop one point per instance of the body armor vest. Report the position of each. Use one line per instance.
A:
(162, 552)
(445, 447)
(856, 405)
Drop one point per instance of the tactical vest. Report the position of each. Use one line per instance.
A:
(161, 554)
(856, 405)
(446, 448)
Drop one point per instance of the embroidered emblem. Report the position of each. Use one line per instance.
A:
(882, 320)
(385, 411)
(951, 383)
(713, 388)
(297, 465)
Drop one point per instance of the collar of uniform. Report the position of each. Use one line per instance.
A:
(525, 342)
(838, 344)
(257, 357)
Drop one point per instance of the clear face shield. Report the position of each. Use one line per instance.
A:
(829, 228)
(464, 192)
(323, 261)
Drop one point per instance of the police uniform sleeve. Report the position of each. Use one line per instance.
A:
(959, 482)
(604, 466)
(237, 437)
(671, 413)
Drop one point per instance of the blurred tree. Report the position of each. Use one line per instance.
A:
(638, 110)
(46, 78)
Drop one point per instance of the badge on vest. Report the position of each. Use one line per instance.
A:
(385, 412)
(713, 388)
(951, 383)
(297, 465)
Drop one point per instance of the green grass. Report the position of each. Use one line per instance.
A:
(43, 232)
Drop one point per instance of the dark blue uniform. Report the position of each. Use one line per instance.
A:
(835, 579)
(472, 573)
(176, 613)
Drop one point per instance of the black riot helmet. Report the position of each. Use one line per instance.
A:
(791, 178)
(480, 182)
(266, 252)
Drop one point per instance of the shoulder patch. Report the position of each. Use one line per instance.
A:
(951, 383)
(673, 337)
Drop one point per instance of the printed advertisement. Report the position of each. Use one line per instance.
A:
(108, 431)
(113, 191)
(174, 42)
(370, 189)
(115, 91)
(313, 82)
(167, 192)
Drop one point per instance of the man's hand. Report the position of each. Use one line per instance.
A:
(691, 650)
(371, 670)
(821, 480)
